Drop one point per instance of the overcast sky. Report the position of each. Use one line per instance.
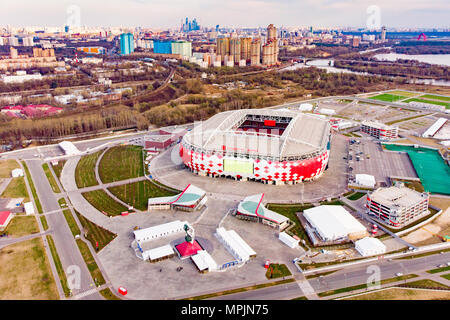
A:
(228, 13)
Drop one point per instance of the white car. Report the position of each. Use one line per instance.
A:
(398, 274)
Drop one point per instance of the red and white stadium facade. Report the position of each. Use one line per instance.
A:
(264, 170)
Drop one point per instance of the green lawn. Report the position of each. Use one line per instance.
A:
(16, 189)
(85, 170)
(71, 222)
(388, 97)
(403, 93)
(58, 265)
(277, 271)
(290, 212)
(425, 283)
(21, 226)
(137, 194)
(51, 178)
(356, 196)
(446, 276)
(435, 97)
(439, 103)
(44, 223)
(90, 263)
(6, 166)
(95, 233)
(33, 189)
(59, 167)
(104, 203)
(108, 295)
(121, 163)
(437, 270)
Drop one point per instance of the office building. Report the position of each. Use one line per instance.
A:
(379, 130)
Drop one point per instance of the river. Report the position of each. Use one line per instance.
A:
(439, 59)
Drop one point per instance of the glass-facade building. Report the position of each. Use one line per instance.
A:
(126, 43)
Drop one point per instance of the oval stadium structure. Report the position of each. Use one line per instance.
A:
(271, 146)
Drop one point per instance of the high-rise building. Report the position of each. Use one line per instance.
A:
(13, 41)
(223, 47)
(355, 41)
(270, 49)
(183, 48)
(246, 51)
(13, 53)
(28, 41)
(126, 43)
(255, 58)
(235, 49)
(383, 33)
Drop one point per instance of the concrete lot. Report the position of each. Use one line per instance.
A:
(381, 164)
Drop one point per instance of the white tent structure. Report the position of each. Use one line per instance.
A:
(159, 231)
(333, 222)
(370, 246)
(327, 111)
(238, 248)
(29, 208)
(288, 240)
(305, 107)
(17, 173)
(204, 261)
(158, 253)
(365, 180)
(69, 148)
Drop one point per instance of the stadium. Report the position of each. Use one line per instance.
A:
(270, 146)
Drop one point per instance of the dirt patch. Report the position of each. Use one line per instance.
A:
(25, 273)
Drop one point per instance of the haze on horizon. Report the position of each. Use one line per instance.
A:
(227, 13)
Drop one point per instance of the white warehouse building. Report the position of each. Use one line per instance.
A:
(235, 245)
(288, 240)
(333, 223)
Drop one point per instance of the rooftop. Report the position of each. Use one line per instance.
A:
(397, 196)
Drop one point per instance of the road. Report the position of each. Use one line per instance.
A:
(64, 241)
(344, 278)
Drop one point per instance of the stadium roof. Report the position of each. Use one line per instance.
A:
(252, 206)
(188, 197)
(304, 134)
(333, 222)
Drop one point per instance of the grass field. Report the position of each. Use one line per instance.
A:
(21, 226)
(277, 271)
(446, 276)
(439, 103)
(434, 97)
(71, 222)
(33, 189)
(121, 163)
(16, 189)
(403, 294)
(425, 283)
(85, 170)
(364, 285)
(95, 233)
(137, 194)
(58, 266)
(388, 97)
(104, 203)
(437, 270)
(403, 93)
(108, 295)
(6, 166)
(90, 263)
(25, 273)
(290, 212)
(356, 196)
(51, 178)
(59, 167)
(44, 223)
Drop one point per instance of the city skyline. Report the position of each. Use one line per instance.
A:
(232, 13)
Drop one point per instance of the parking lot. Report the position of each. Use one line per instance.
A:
(381, 164)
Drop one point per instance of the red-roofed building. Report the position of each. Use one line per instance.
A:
(187, 249)
(5, 218)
